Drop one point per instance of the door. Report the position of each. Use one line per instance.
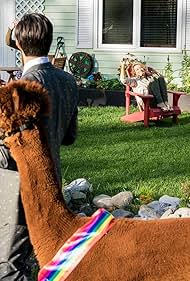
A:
(7, 54)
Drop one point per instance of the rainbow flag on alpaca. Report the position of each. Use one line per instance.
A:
(76, 247)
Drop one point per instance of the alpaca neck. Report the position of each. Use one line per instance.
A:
(46, 215)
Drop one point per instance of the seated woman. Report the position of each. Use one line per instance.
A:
(147, 81)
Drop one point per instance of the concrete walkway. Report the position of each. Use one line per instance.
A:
(184, 102)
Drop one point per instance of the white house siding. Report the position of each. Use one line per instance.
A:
(7, 14)
(188, 25)
(64, 16)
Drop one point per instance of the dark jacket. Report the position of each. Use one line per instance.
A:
(61, 125)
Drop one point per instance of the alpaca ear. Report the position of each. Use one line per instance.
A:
(16, 100)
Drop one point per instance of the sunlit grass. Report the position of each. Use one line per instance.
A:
(116, 156)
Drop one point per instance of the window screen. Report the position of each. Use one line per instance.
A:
(158, 23)
(117, 22)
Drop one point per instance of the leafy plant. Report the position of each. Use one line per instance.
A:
(185, 72)
(185, 188)
(98, 82)
(91, 84)
(110, 84)
(169, 75)
(168, 72)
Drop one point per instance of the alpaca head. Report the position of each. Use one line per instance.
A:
(21, 102)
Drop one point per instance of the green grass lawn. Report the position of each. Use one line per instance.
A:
(116, 156)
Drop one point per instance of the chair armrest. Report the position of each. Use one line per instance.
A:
(131, 93)
(176, 92)
(176, 96)
(140, 95)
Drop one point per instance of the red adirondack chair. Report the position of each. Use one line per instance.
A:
(149, 113)
(146, 112)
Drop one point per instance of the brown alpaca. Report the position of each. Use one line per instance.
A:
(133, 250)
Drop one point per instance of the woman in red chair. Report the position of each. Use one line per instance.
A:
(148, 81)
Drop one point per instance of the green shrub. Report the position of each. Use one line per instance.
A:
(169, 75)
(110, 84)
(185, 73)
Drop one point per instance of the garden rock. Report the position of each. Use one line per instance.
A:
(182, 212)
(155, 205)
(179, 213)
(147, 212)
(169, 202)
(80, 184)
(77, 193)
(166, 214)
(67, 196)
(103, 201)
(78, 197)
(160, 208)
(122, 213)
(81, 214)
(87, 209)
(122, 199)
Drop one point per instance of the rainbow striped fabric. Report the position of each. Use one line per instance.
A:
(76, 247)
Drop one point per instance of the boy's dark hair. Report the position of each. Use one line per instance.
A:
(34, 33)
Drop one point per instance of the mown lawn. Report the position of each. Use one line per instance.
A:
(116, 156)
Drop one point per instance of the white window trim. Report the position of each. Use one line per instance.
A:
(98, 46)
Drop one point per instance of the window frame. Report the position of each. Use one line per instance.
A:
(135, 46)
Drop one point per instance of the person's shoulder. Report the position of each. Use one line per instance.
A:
(65, 73)
(67, 76)
(29, 76)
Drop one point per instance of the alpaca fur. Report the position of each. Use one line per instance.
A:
(133, 250)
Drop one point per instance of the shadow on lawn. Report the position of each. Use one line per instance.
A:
(111, 134)
(168, 122)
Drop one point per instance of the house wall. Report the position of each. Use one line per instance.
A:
(64, 16)
(187, 26)
(7, 54)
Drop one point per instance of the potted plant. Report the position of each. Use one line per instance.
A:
(96, 90)
(89, 93)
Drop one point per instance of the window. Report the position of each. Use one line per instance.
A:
(158, 23)
(132, 24)
(139, 23)
(115, 21)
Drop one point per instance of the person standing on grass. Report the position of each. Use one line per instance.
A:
(34, 33)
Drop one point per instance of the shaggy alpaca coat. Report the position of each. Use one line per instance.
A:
(133, 250)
